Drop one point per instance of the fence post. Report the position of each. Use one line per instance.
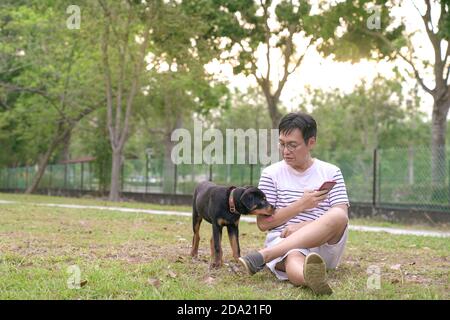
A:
(146, 172)
(65, 176)
(90, 175)
(210, 172)
(122, 171)
(175, 179)
(26, 177)
(241, 175)
(374, 186)
(82, 175)
(51, 177)
(7, 177)
(251, 174)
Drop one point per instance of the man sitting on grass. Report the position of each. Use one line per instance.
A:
(308, 232)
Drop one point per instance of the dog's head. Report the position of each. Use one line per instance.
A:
(254, 200)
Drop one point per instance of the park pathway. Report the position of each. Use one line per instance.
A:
(425, 233)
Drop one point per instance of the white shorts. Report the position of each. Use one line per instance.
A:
(331, 253)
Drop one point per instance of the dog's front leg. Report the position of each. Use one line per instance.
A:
(233, 235)
(196, 221)
(216, 246)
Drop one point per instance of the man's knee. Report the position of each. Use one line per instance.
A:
(339, 222)
(341, 219)
(296, 278)
(294, 268)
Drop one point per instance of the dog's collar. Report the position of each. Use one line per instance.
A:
(231, 201)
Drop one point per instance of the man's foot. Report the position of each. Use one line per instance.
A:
(315, 274)
(253, 262)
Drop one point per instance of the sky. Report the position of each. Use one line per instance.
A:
(326, 74)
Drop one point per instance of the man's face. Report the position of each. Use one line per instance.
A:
(293, 148)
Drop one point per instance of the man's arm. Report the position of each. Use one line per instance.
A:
(310, 199)
(280, 216)
(342, 207)
(290, 229)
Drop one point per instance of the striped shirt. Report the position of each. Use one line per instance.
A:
(283, 185)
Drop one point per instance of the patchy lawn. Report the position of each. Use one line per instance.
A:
(141, 256)
(88, 201)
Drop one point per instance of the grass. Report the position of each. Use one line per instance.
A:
(90, 201)
(140, 256)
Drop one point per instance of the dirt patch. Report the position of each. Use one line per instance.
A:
(400, 267)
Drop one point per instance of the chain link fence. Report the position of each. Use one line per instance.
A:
(397, 177)
(391, 178)
(405, 176)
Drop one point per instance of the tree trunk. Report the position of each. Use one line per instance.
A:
(275, 115)
(168, 167)
(438, 131)
(411, 165)
(66, 153)
(43, 161)
(114, 193)
(118, 126)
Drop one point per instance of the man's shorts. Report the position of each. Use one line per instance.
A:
(331, 253)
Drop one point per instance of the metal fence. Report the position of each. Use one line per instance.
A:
(137, 176)
(394, 178)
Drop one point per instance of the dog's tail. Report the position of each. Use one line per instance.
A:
(196, 221)
(195, 216)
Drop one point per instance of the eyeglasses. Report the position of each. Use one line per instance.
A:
(290, 146)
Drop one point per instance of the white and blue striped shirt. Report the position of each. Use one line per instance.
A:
(283, 185)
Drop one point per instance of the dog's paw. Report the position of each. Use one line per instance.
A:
(215, 265)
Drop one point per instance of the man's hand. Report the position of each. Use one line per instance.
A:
(311, 199)
(290, 229)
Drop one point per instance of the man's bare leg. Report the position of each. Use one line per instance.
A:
(312, 275)
(293, 266)
(329, 228)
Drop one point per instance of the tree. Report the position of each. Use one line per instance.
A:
(174, 98)
(246, 112)
(178, 85)
(374, 115)
(91, 138)
(260, 37)
(124, 45)
(57, 83)
(388, 39)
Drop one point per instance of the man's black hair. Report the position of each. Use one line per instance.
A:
(298, 120)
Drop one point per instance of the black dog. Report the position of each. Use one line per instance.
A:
(222, 206)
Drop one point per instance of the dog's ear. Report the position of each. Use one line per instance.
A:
(249, 197)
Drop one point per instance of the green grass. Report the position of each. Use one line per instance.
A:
(379, 222)
(88, 201)
(141, 256)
